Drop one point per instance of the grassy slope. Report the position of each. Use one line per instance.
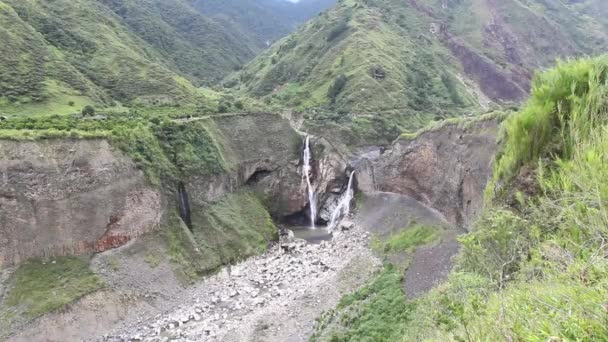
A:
(534, 268)
(192, 44)
(83, 52)
(378, 311)
(236, 227)
(351, 40)
(438, 61)
(37, 287)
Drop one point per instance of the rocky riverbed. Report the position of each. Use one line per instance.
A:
(273, 297)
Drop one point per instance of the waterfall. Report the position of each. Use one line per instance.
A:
(184, 205)
(306, 170)
(343, 207)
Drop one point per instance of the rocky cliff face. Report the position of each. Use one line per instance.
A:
(265, 153)
(61, 197)
(446, 168)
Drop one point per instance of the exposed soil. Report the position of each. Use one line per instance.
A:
(430, 266)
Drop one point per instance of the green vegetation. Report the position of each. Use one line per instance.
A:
(462, 122)
(61, 54)
(152, 259)
(408, 63)
(335, 89)
(39, 287)
(410, 238)
(184, 253)
(162, 147)
(377, 312)
(262, 21)
(236, 227)
(88, 110)
(380, 310)
(566, 105)
(534, 267)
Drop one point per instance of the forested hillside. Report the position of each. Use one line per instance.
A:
(57, 56)
(263, 20)
(392, 170)
(422, 59)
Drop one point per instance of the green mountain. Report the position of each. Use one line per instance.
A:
(422, 58)
(59, 54)
(264, 21)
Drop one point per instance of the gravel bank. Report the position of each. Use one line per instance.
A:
(273, 297)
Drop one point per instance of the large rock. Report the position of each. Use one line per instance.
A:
(445, 168)
(61, 197)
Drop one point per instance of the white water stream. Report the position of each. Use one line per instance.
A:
(343, 207)
(306, 170)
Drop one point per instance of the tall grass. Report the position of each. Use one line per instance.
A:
(545, 261)
(535, 269)
(567, 102)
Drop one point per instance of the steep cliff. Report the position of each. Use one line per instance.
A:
(165, 203)
(70, 196)
(61, 197)
(445, 168)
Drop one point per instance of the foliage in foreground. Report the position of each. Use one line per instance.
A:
(539, 265)
(535, 266)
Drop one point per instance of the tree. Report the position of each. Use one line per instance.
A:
(88, 110)
(337, 87)
(337, 31)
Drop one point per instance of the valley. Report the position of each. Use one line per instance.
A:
(312, 170)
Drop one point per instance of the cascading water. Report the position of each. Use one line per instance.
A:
(306, 170)
(343, 207)
(184, 205)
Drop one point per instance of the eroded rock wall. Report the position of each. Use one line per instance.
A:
(264, 153)
(446, 168)
(60, 197)
(64, 196)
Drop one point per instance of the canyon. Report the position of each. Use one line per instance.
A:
(84, 197)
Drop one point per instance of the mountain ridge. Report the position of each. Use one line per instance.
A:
(482, 42)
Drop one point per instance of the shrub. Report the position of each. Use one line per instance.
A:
(222, 108)
(336, 88)
(337, 31)
(88, 110)
(496, 246)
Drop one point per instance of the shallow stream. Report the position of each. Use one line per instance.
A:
(311, 235)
